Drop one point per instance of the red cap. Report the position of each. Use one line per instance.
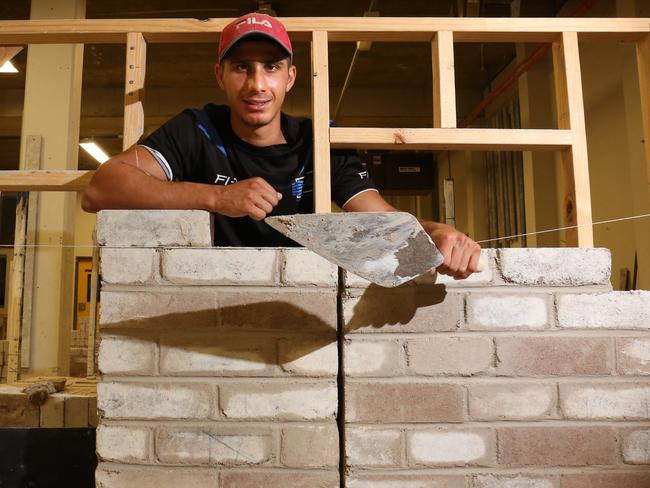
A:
(253, 24)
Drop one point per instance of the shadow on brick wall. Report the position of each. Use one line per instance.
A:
(407, 307)
(272, 332)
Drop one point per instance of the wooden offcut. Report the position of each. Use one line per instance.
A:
(136, 60)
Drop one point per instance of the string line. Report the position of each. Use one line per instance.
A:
(514, 236)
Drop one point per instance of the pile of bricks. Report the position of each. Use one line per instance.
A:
(220, 369)
(75, 406)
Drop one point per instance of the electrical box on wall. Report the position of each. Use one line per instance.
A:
(400, 170)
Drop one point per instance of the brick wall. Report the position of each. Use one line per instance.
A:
(220, 369)
(219, 365)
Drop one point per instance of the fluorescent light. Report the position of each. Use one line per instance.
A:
(95, 151)
(8, 67)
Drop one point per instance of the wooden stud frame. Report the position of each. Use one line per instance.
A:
(442, 33)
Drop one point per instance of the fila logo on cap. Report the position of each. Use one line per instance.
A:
(253, 20)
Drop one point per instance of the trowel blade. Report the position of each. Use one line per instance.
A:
(386, 248)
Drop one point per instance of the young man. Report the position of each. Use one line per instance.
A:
(246, 160)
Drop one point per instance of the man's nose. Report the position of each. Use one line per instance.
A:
(256, 80)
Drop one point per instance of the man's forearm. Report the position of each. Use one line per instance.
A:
(120, 186)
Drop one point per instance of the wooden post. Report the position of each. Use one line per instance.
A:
(321, 113)
(32, 162)
(444, 88)
(136, 59)
(92, 320)
(643, 62)
(571, 115)
(16, 291)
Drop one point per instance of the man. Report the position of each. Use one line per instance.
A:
(247, 160)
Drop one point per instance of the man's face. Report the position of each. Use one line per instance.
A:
(256, 76)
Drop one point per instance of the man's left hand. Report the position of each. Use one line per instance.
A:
(461, 254)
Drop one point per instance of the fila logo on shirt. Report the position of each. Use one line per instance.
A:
(224, 180)
(363, 175)
(253, 20)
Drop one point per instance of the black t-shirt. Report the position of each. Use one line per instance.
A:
(201, 147)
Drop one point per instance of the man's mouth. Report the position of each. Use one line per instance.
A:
(257, 105)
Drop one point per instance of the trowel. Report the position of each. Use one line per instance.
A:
(386, 248)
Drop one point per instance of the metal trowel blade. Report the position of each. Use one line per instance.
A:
(386, 248)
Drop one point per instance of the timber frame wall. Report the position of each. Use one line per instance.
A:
(563, 33)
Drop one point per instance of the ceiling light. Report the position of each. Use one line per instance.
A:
(95, 151)
(8, 67)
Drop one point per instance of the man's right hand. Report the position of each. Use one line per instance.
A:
(253, 197)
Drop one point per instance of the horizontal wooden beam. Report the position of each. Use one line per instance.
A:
(44, 180)
(409, 29)
(451, 139)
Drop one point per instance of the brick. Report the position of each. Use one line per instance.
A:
(309, 357)
(154, 400)
(159, 309)
(211, 352)
(605, 401)
(301, 267)
(541, 267)
(309, 311)
(372, 357)
(498, 312)
(636, 446)
(557, 355)
(372, 447)
(405, 480)
(450, 355)
(310, 446)
(404, 402)
(121, 354)
(128, 265)
(451, 447)
(15, 408)
(613, 310)
(213, 446)
(220, 266)
(141, 228)
(296, 401)
(557, 446)
(123, 444)
(513, 481)
(512, 401)
(639, 479)
(124, 476)
(280, 479)
(633, 355)
(407, 309)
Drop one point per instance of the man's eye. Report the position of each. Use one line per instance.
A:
(272, 67)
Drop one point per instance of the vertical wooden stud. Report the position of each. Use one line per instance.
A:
(643, 62)
(14, 311)
(321, 113)
(136, 58)
(444, 87)
(571, 115)
(92, 319)
(32, 162)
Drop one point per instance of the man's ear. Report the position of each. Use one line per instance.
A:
(293, 72)
(218, 73)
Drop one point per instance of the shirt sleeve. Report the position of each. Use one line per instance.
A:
(176, 146)
(349, 178)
